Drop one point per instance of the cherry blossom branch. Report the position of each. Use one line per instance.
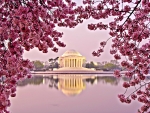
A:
(132, 12)
(138, 89)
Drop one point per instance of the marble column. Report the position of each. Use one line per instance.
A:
(65, 63)
(70, 63)
(77, 62)
(74, 62)
(80, 62)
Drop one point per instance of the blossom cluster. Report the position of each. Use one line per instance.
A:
(25, 24)
(128, 28)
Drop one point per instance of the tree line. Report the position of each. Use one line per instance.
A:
(53, 63)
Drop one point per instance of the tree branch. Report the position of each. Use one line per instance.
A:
(131, 12)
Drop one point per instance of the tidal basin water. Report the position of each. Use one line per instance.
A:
(71, 94)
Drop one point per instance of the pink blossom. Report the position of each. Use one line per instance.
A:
(103, 43)
(117, 57)
(117, 73)
(127, 8)
(126, 85)
(133, 96)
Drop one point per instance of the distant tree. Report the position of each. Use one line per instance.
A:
(92, 65)
(38, 64)
(84, 63)
(56, 59)
(109, 66)
(53, 60)
(56, 65)
(53, 63)
(50, 60)
(99, 67)
(87, 65)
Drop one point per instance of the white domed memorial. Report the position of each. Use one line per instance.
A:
(72, 61)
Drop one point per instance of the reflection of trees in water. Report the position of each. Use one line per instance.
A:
(105, 80)
(125, 79)
(34, 80)
(147, 78)
(52, 83)
(37, 80)
(91, 81)
(108, 79)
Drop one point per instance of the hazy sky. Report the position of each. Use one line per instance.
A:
(80, 39)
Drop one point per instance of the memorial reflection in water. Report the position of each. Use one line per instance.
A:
(85, 94)
(69, 84)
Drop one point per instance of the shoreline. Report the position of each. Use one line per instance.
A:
(73, 72)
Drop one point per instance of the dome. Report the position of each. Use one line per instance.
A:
(71, 53)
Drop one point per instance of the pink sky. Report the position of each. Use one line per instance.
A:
(80, 39)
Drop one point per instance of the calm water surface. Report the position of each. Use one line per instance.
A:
(70, 94)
